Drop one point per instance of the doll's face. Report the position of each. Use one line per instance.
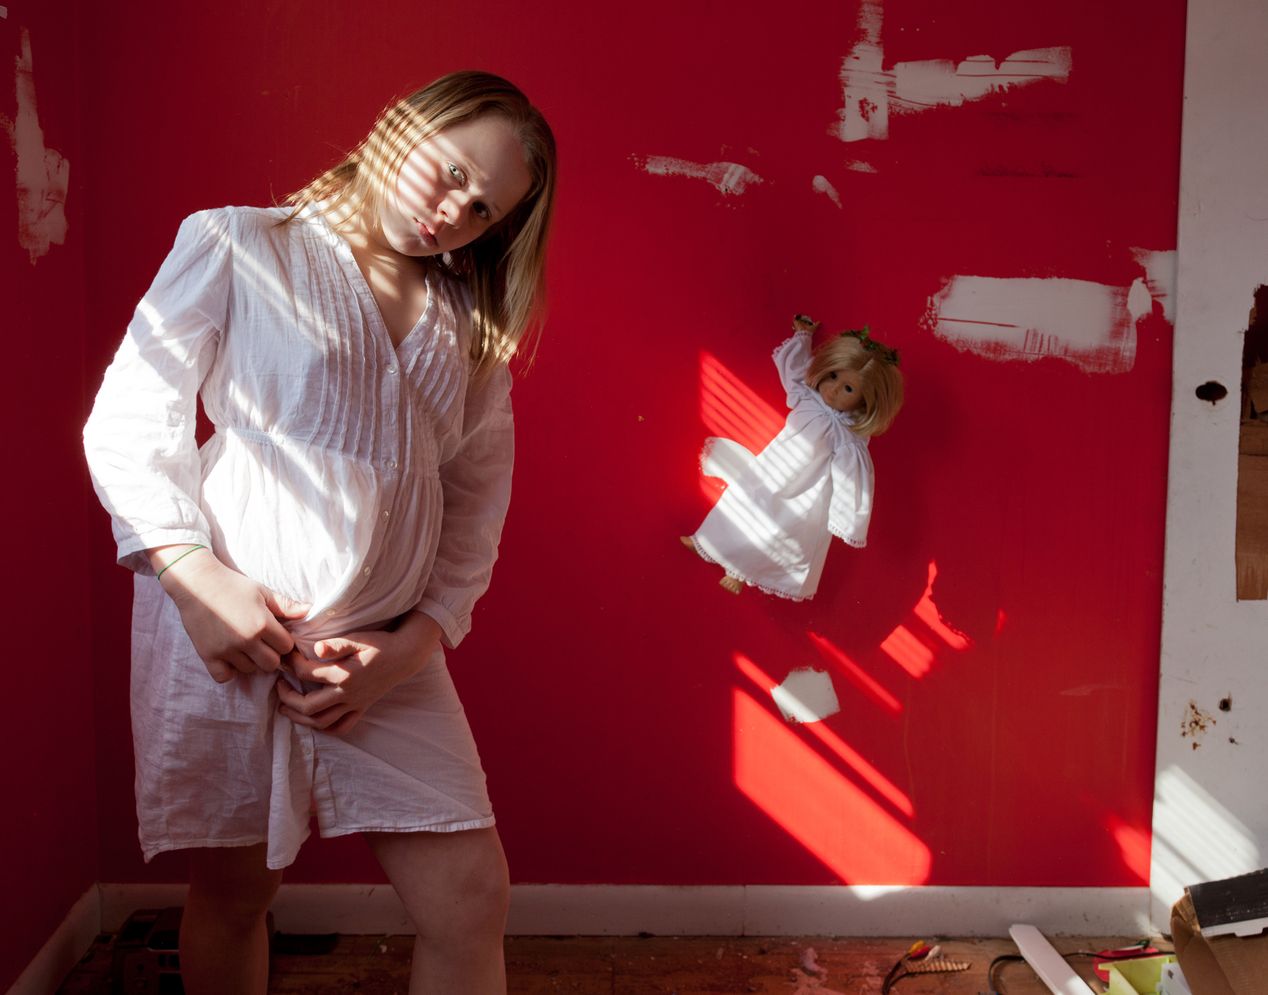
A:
(841, 390)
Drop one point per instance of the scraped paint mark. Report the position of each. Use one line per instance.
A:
(1085, 323)
(1160, 277)
(807, 695)
(821, 185)
(870, 93)
(728, 178)
(859, 166)
(43, 174)
(4, 11)
(862, 79)
(1089, 324)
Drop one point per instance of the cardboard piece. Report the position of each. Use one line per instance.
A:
(1217, 965)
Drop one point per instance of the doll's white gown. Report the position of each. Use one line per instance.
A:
(773, 525)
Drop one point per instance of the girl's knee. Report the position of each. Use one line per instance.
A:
(232, 884)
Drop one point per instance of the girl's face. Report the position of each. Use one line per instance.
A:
(841, 390)
(455, 186)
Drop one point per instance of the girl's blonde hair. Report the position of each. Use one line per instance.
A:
(505, 268)
(879, 377)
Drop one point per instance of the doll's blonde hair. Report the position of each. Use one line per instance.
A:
(505, 268)
(880, 380)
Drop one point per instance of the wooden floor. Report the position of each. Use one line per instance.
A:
(370, 965)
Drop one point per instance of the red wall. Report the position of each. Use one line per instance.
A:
(614, 688)
(49, 830)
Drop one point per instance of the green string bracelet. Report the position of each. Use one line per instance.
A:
(192, 549)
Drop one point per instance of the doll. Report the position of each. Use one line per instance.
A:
(772, 526)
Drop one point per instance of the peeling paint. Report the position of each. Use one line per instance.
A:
(43, 174)
(728, 178)
(807, 695)
(1087, 324)
(859, 166)
(870, 93)
(1091, 325)
(821, 185)
(1160, 277)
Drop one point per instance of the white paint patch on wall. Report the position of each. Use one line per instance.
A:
(728, 178)
(870, 93)
(821, 185)
(859, 166)
(863, 80)
(1160, 277)
(917, 86)
(807, 695)
(1085, 323)
(43, 174)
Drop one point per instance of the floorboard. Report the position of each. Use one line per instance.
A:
(588, 965)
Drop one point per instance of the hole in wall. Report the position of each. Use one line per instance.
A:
(1211, 391)
(1252, 457)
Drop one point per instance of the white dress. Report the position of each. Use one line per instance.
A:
(774, 522)
(361, 478)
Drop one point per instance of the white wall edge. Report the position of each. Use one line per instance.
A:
(751, 910)
(64, 949)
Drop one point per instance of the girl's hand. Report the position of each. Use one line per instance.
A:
(233, 622)
(358, 669)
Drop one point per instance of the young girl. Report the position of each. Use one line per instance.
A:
(772, 526)
(297, 577)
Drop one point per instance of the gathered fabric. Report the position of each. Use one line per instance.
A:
(772, 526)
(358, 477)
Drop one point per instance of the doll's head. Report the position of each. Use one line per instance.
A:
(855, 373)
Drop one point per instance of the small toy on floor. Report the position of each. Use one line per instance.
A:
(772, 526)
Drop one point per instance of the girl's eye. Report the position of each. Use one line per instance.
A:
(832, 375)
(481, 210)
(849, 389)
(455, 172)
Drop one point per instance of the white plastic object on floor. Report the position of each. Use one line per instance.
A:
(1173, 981)
(1051, 967)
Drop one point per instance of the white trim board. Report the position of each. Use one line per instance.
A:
(63, 950)
(740, 910)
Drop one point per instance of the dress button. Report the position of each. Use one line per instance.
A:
(392, 464)
(391, 369)
(366, 571)
(387, 514)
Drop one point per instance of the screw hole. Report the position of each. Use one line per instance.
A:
(1211, 391)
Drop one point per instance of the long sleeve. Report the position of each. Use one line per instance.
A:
(792, 360)
(477, 489)
(139, 439)
(850, 510)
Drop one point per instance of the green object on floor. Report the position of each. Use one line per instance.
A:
(1139, 976)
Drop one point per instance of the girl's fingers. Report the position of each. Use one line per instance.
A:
(264, 657)
(335, 649)
(220, 671)
(311, 704)
(276, 637)
(240, 662)
(322, 720)
(349, 720)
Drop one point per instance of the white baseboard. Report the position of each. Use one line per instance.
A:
(69, 942)
(739, 910)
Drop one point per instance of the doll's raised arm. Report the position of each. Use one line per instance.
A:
(792, 357)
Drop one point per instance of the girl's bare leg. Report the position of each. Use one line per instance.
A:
(456, 890)
(224, 939)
